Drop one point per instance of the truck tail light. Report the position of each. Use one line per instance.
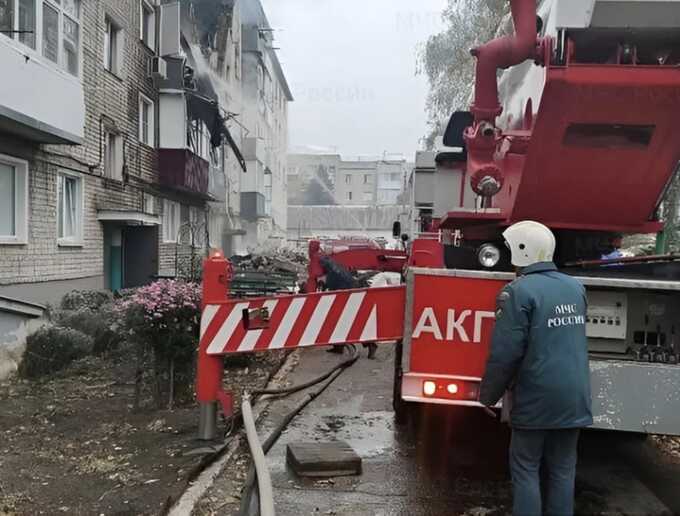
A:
(429, 388)
(461, 390)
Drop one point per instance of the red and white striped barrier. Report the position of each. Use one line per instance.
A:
(319, 319)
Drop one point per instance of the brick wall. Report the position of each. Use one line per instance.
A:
(111, 101)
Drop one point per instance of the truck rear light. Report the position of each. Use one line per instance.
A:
(429, 388)
(461, 390)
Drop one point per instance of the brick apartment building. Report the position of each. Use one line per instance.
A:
(115, 153)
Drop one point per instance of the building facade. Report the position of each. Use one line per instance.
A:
(77, 147)
(360, 182)
(120, 138)
(266, 95)
(311, 178)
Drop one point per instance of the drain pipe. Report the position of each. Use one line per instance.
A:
(486, 178)
(264, 481)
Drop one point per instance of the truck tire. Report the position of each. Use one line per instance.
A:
(402, 409)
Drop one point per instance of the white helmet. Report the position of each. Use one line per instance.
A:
(530, 242)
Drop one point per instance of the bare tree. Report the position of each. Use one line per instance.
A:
(446, 59)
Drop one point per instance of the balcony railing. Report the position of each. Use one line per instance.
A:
(184, 171)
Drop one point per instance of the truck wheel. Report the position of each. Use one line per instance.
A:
(402, 409)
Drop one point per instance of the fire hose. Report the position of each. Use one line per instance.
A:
(266, 496)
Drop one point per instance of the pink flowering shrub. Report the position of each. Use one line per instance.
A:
(166, 306)
(164, 317)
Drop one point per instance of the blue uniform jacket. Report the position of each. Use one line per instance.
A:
(539, 351)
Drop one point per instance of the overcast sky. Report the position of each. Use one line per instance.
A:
(351, 66)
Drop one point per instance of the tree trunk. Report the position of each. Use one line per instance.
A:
(171, 395)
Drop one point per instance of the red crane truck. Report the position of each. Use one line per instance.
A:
(583, 138)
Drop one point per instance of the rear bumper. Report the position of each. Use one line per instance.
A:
(412, 389)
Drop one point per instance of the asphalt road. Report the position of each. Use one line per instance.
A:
(445, 462)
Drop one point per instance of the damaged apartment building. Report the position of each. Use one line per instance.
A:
(125, 133)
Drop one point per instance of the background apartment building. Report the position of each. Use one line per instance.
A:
(119, 151)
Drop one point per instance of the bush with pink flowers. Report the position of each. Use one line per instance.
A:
(163, 319)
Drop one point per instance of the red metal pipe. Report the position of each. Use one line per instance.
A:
(503, 53)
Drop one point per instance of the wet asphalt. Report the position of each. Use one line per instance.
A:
(445, 461)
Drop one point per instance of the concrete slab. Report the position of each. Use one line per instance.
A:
(332, 459)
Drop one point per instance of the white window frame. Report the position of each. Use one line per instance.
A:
(38, 35)
(146, 101)
(113, 62)
(147, 7)
(21, 203)
(77, 239)
(62, 15)
(167, 238)
(117, 173)
(148, 203)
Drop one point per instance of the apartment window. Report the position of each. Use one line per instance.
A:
(171, 221)
(18, 15)
(349, 196)
(146, 120)
(149, 203)
(13, 200)
(348, 179)
(367, 179)
(50, 33)
(113, 155)
(61, 32)
(113, 46)
(69, 209)
(147, 18)
(27, 22)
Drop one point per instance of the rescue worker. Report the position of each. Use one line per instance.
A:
(539, 355)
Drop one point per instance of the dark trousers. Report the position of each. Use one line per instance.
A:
(556, 451)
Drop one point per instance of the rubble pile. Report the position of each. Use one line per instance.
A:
(282, 260)
(277, 271)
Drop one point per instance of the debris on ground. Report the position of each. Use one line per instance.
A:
(71, 442)
(668, 444)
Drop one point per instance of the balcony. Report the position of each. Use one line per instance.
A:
(183, 171)
(254, 150)
(253, 205)
(26, 110)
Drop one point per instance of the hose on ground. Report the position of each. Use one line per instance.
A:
(235, 420)
(264, 481)
(248, 489)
